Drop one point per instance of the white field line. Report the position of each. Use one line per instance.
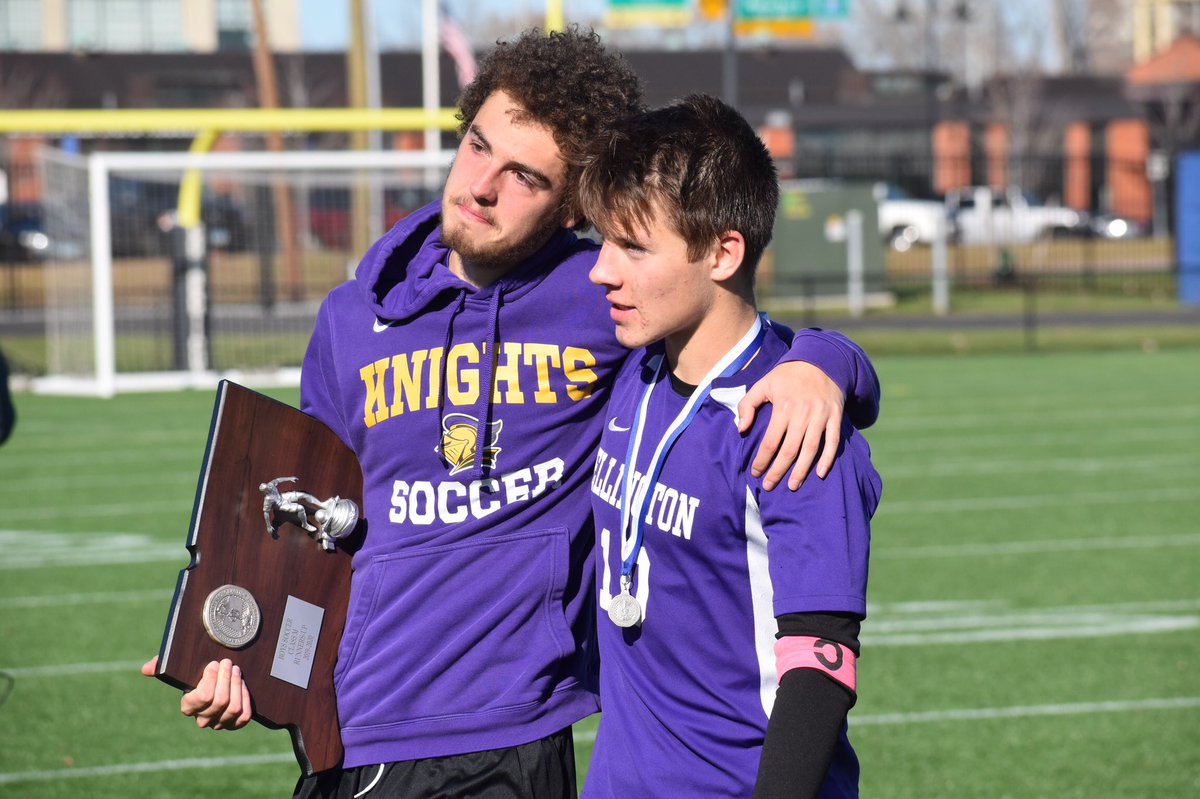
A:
(35, 550)
(950, 623)
(141, 508)
(121, 769)
(105, 479)
(1026, 711)
(1036, 547)
(90, 438)
(70, 600)
(1030, 501)
(73, 669)
(160, 553)
(1024, 465)
(1042, 617)
(1117, 394)
(932, 606)
(145, 457)
(946, 609)
(1110, 415)
(1066, 628)
(934, 441)
(589, 736)
(987, 713)
(53, 426)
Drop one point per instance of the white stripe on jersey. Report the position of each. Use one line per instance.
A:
(762, 595)
(729, 396)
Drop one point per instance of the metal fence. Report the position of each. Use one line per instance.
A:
(1083, 273)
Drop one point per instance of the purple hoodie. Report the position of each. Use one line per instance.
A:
(475, 415)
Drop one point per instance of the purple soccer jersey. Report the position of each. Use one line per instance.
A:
(686, 695)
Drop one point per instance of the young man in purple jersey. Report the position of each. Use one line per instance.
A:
(467, 366)
(728, 615)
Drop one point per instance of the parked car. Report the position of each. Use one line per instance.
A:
(983, 215)
(904, 221)
(1111, 226)
(22, 233)
(143, 214)
(329, 211)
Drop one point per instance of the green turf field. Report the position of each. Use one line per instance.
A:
(1035, 589)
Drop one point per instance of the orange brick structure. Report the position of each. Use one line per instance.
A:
(951, 156)
(1127, 145)
(1077, 170)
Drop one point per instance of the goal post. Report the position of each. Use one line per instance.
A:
(133, 305)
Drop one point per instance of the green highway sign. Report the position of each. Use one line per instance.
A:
(663, 13)
(750, 10)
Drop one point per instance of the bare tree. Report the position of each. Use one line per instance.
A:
(1070, 21)
(268, 97)
(880, 39)
(1015, 97)
(961, 38)
(1093, 35)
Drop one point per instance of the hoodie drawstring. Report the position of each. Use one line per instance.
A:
(487, 385)
(490, 358)
(462, 302)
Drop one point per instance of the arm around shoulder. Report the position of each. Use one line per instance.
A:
(847, 365)
(822, 377)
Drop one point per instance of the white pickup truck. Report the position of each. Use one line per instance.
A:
(1008, 216)
(904, 222)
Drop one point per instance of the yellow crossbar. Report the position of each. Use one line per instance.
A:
(236, 120)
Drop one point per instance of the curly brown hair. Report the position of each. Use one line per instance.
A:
(566, 81)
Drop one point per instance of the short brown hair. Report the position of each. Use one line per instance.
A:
(700, 161)
(566, 81)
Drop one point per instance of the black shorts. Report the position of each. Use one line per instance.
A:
(543, 769)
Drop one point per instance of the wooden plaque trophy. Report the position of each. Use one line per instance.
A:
(273, 529)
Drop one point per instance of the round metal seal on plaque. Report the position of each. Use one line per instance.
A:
(231, 616)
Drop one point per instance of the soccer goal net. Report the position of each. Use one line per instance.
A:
(138, 299)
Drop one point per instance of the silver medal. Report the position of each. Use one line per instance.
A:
(624, 610)
(231, 616)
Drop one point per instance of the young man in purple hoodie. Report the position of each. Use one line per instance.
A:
(712, 590)
(467, 366)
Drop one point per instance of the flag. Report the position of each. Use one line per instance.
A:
(455, 43)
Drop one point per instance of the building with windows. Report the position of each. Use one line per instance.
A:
(1080, 139)
(1158, 23)
(143, 26)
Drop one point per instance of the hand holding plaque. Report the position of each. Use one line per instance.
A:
(269, 580)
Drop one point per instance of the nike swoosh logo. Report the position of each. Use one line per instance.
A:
(616, 428)
(381, 326)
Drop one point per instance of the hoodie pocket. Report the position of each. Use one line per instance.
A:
(464, 628)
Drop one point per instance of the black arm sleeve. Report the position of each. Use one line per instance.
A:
(810, 709)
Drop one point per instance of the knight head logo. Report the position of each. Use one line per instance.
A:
(460, 441)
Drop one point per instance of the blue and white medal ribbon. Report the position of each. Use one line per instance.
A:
(624, 609)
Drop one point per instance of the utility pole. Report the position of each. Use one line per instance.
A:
(431, 80)
(361, 212)
(554, 15)
(268, 97)
(730, 65)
